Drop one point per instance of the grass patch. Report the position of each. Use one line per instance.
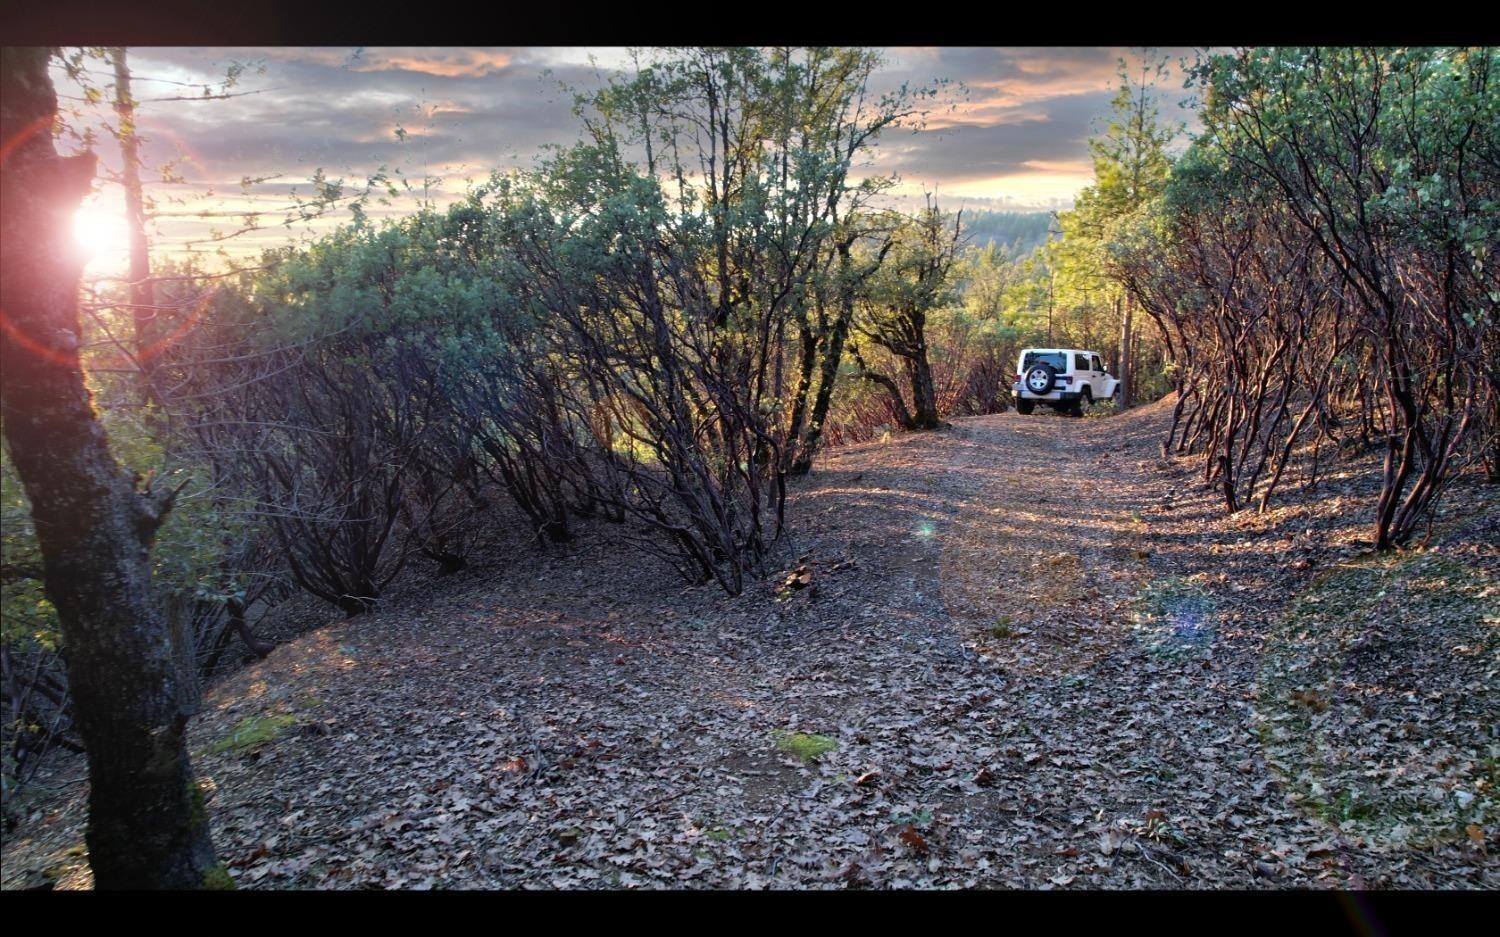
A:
(921, 819)
(806, 746)
(1370, 680)
(721, 834)
(218, 879)
(1347, 805)
(252, 733)
(1001, 628)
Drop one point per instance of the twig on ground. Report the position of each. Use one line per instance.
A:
(1156, 862)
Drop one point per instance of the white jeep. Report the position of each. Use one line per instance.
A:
(1065, 379)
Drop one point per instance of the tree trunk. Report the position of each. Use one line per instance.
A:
(808, 359)
(132, 696)
(259, 648)
(1127, 378)
(892, 391)
(829, 372)
(142, 293)
(923, 392)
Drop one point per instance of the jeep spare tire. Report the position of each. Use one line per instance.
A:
(1039, 380)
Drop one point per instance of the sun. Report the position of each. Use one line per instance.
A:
(101, 234)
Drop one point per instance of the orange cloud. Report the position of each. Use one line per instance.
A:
(444, 63)
(1013, 92)
(441, 62)
(1076, 167)
(984, 114)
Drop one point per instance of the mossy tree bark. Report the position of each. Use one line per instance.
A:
(920, 281)
(923, 389)
(132, 695)
(832, 356)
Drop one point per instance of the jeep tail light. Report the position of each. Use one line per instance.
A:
(1064, 379)
(1018, 378)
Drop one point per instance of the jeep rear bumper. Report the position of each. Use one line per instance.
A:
(1051, 396)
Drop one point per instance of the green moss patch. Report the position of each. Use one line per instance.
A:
(252, 733)
(721, 834)
(218, 879)
(805, 746)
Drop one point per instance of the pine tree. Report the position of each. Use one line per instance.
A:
(1130, 169)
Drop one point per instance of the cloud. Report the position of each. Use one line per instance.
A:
(442, 62)
(1019, 128)
(970, 152)
(326, 109)
(1076, 167)
(1012, 129)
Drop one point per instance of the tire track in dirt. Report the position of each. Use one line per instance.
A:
(1044, 551)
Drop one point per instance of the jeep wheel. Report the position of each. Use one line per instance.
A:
(1040, 379)
(1088, 398)
(1024, 407)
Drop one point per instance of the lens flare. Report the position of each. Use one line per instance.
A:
(101, 234)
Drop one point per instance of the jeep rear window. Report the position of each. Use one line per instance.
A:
(1081, 362)
(1057, 359)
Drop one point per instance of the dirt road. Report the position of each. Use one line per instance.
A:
(1004, 674)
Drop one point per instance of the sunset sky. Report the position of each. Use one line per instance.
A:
(1017, 139)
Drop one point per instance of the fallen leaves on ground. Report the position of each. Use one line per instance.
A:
(1017, 671)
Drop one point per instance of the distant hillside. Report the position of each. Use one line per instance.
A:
(1017, 233)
